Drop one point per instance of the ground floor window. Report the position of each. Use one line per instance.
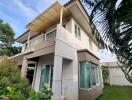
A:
(89, 75)
(46, 75)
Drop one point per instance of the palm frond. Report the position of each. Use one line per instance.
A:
(115, 23)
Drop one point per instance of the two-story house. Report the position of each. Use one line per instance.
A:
(59, 49)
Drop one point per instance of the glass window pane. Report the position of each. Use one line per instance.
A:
(97, 75)
(76, 30)
(92, 75)
(44, 76)
(82, 84)
(78, 33)
(88, 75)
(51, 77)
(84, 75)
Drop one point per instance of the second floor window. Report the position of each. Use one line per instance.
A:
(77, 32)
(90, 43)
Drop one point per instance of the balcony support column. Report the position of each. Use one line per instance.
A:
(24, 67)
(61, 16)
(57, 78)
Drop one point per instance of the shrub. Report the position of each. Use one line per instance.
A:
(11, 84)
(105, 72)
(45, 94)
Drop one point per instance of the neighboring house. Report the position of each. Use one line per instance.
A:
(59, 49)
(116, 75)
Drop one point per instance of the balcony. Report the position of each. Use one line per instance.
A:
(40, 42)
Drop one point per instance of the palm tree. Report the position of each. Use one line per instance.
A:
(114, 18)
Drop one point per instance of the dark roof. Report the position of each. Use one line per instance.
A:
(21, 35)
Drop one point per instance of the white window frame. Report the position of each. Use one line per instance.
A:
(90, 44)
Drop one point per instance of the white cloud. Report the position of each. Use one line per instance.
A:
(36, 8)
(43, 4)
(107, 56)
(28, 12)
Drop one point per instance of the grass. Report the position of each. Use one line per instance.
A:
(116, 93)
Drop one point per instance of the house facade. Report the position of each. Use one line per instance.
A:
(116, 75)
(59, 49)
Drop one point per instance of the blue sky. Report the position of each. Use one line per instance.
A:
(18, 13)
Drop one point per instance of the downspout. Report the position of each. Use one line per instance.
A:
(28, 39)
(61, 17)
(62, 96)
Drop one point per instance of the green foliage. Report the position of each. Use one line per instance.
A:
(11, 84)
(7, 40)
(114, 19)
(10, 51)
(14, 50)
(45, 94)
(105, 72)
(6, 34)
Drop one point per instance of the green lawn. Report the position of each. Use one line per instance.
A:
(116, 93)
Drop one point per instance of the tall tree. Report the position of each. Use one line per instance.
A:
(114, 18)
(7, 40)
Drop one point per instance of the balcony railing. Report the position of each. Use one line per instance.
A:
(50, 36)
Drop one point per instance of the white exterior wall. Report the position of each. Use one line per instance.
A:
(67, 79)
(84, 42)
(100, 76)
(117, 77)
